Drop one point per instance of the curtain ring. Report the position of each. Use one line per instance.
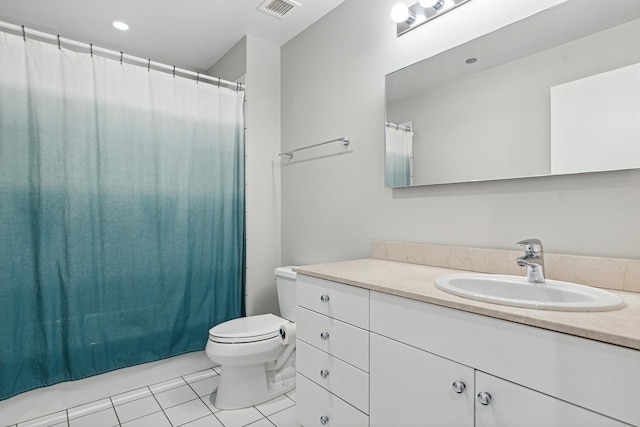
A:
(174, 71)
(197, 78)
(58, 41)
(24, 34)
(91, 49)
(121, 57)
(218, 82)
(149, 65)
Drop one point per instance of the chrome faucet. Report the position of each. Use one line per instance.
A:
(533, 260)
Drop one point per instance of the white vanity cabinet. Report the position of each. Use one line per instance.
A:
(332, 353)
(535, 377)
(426, 389)
(371, 358)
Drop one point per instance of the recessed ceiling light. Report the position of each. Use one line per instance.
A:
(120, 25)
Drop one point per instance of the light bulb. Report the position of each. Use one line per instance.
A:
(400, 13)
(120, 25)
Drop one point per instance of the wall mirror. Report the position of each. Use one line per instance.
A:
(556, 93)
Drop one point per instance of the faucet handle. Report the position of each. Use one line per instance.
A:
(531, 246)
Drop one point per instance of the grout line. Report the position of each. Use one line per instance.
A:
(161, 408)
(281, 410)
(189, 422)
(114, 410)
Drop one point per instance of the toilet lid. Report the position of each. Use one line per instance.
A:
(247, 329)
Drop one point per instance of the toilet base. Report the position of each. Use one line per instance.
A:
(241, 387)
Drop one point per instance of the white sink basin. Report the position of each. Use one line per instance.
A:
(517, 291)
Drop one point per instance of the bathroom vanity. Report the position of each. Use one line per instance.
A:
(380, 345)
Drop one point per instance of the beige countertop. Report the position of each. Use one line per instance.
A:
(619, 327)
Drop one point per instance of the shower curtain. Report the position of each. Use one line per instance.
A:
(121, 213)
(398, 157)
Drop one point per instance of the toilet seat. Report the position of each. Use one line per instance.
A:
(247, 329)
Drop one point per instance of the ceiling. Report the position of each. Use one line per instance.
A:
(191, 34)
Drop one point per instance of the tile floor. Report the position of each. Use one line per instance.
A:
(182, 401)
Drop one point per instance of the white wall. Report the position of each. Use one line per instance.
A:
(257, 63)
(233, 65)
(333, 207)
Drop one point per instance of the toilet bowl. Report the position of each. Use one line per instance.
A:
(256, 353)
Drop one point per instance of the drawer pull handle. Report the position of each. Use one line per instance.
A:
(458, 386)
(484, 398)
(324, 298)
(324, 336)
(324, 420)
(324, 373)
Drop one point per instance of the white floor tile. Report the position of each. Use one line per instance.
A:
(292, 395)
(209, 421)
(187, 412)
(261, 423)
(129, 396)
(59, 397)
(238, 417)
(105, 418)
(199, 376)
(206, 386)
(167, 385)
(47, 420)
(157, 419)
(285, 418)
(88, 408)
(275, 405)
(137, 408)
(209, 401)
(176, 396)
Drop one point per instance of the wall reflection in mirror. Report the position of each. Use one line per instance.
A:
(556, 93)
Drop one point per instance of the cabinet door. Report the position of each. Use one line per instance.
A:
(410, 387)
(513, 405)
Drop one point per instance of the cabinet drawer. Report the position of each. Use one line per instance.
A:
(344, 341)
(314, 402)
(338, 377)
(347, 303)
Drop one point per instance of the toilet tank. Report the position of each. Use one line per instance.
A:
(286, 286)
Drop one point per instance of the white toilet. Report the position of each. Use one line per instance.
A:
(257, 354)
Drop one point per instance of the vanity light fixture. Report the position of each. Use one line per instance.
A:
(409, 17)
(122, 26)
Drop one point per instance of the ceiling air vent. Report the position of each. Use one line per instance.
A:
(278, 8)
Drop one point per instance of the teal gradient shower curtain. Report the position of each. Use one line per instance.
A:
(121, 213)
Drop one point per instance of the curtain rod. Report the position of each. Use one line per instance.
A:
(91, 49)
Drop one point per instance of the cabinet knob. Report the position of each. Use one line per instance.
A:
(484, 398)
(458, 386)
(324, 420)
(324, 336)
(324, 373)
(324, 298)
